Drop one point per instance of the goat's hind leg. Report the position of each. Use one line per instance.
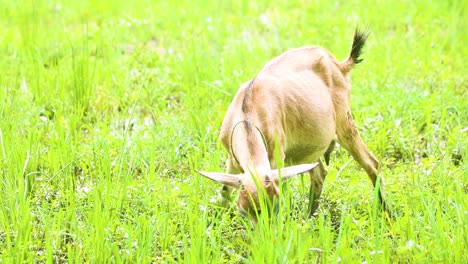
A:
(349, 138)
(317, 177)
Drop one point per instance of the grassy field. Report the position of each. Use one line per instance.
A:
(108, 109)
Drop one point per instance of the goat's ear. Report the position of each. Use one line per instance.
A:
(288, 172)
(231, 180)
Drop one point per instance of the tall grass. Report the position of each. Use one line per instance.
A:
(108, 109)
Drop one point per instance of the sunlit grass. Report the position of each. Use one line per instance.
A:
(108, 109)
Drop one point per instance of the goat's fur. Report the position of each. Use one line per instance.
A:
(299, 101)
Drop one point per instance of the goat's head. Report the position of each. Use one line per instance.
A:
(256, 188)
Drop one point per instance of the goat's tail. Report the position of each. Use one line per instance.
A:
(360, 37)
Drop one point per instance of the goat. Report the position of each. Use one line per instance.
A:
(299, 103)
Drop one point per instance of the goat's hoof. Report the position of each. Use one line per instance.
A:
(220, 201)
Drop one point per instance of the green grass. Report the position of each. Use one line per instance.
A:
(108, 109)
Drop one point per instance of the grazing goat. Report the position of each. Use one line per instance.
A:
(298, 103)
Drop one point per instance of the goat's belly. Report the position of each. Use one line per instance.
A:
(308, 141)
(299, 154)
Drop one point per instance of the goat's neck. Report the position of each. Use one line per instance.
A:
(249, 149)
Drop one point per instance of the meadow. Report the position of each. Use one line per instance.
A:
(109, 108)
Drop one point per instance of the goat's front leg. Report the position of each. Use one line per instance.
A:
(349, 138)
(224, 198)
(317, 177)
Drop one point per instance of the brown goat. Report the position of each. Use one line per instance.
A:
(299, 102)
